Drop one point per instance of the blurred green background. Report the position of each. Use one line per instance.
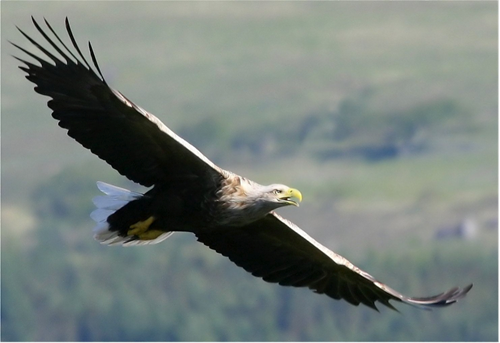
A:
(384, 115)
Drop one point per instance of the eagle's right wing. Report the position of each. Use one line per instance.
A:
(131, 140)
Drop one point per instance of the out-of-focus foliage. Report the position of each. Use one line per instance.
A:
(68, 287)
(354, 130)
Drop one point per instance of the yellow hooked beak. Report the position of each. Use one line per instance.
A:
(292, 196)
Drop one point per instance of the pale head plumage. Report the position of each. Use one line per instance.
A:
(244, 201)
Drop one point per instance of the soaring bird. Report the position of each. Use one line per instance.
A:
(188, 193)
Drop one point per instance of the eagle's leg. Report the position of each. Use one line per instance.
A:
(150, 235)
(141, 230)
(140, 227)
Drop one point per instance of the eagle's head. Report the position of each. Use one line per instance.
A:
(264, 199)
(244, 201)
(278, 195)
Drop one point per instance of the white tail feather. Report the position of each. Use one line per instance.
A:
(100, 215)
(108, 204)
(117, 192)
(103, 202)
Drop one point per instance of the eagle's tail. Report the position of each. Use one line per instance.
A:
(113, 200)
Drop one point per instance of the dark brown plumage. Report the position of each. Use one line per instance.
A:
(230, 214)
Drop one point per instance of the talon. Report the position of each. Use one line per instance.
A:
(140, 227)
(150, 235)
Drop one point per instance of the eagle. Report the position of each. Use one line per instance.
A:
(187, 192)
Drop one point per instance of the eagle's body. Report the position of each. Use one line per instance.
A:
(227, 212)
(195, 205)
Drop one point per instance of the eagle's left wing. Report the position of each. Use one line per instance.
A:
(278, 251)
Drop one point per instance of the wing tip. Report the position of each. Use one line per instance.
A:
(441, 300)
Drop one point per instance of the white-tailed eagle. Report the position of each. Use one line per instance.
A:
(227, 212)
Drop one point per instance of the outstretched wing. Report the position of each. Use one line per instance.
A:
(134, 142)
(278, 251)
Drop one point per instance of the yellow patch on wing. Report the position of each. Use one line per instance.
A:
(141, 227)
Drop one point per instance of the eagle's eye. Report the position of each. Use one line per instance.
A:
(277, 191)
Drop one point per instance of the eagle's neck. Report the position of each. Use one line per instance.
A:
(240, 201)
